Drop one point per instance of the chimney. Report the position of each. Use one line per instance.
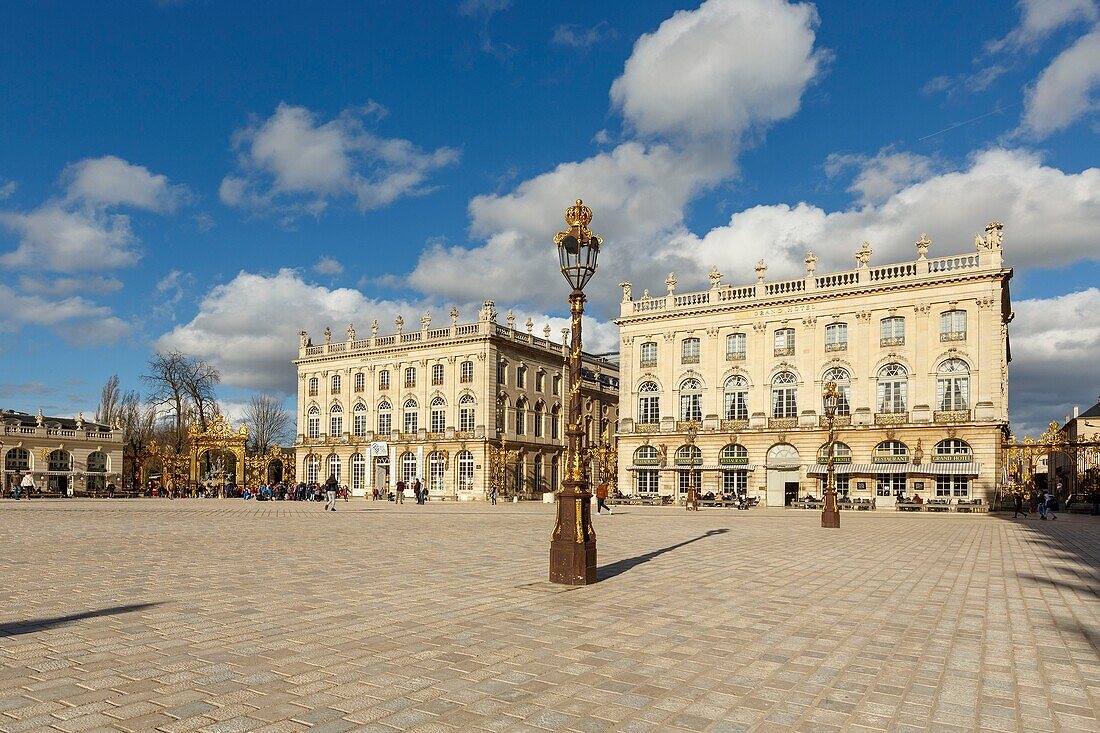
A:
(1076, 411)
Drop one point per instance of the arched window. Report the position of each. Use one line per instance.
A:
(408, 467)
(334, 466)
(891, 451)
(437, 467)
(313, 386)
(97, 462)
(410, 377)
(952, 450)
(437, 375)
(784, 342)
(734, 455)
(313, 469)
(439, 415)
(555, 422)
(521, 416)
(953, 325)
(689, 455)
(689, 351)
(466, 412)
(554, 464)
(893, 388)
(735, 347)
(649, 403)
(538, 416)
(411, 416)
(953, 385)
(336, 421)
(691, 400)
(465, 460)
(841, 453)
(537, 475)
(521, 377)
(358, 472)
(646, 455)
(360, 381)
(335, 384)
(785, 395)
(359, 420)
(313, 423)
(385, 417)
(735, 398)
(466, 372)
(843, 386)
(17, 460)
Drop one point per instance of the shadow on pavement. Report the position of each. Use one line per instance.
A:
(620, 567)
(16, 628)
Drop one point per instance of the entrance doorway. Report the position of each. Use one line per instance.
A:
(783, 474)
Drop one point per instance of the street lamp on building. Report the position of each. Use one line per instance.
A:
(573, 542)
(830, 512)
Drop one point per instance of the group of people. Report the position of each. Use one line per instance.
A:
(1044, 504)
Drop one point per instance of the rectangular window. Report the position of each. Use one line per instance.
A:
(359, 424)
(335, 426)
(691, 407)
(836, 337)
(555, 425)
(648, 354)
(784, 402)
(953, 325)
(735, 483)
(313, 387)
(410, 421)
(689, 351)
(737, 405)
(336, 384)
(360, 382)
(892, 396)
(466, 375)
(948, 486)
(784, 342)
(892, 331)
(646, 482)
(385, 423)
(437, 375)
(313, 429)
(384, 379)
(438, 421)
(649, 410)
(890, 484)
(410, 377)
(540, 380)
(521, 377)
(686, 479)
(557, 385)
(502, 373)
(466, 418)
(735, 346)
(842, 483)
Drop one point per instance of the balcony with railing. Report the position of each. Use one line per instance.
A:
(689, 359)
(839, 421)
(647, 363)
(836, 346)
(784, 351)
(735, 355)
(953, 336)
(782, 423)
(891, 418)
(647, 427)
(951, 416)
(733, 426)
(891, 341)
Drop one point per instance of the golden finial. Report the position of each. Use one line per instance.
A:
(578, 215)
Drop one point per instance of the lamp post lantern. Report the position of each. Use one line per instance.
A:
(830, 512)
(573, 541)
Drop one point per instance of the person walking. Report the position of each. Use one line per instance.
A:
(1049, 502)
(1019, 506)
(400, 497)
(493, 495)
(27, 486)
(601, 498)
(331, 487)
(374, 493)
(418, 490)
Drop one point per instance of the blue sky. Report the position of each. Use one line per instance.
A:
(215, 177)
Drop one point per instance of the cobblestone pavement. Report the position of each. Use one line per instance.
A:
(222, 616)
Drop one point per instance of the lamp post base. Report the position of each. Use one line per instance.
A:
(573, 542)
(830, 512)
(692, 501)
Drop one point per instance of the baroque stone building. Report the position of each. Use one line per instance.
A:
(64, 455)
(724, 386)
(433, 403)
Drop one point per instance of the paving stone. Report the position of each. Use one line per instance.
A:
(226, 616)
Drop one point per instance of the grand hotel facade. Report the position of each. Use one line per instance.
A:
(723, 386)
(434, 403)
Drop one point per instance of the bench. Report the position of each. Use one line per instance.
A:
(937, 505)
(974, 505)
(908, 506)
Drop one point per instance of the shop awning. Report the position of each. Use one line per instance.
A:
(924, 469)
(709, 467)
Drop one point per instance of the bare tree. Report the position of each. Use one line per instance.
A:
(138, 421)
(110, 402)
(168, 391)
(268, 422)
(199, 379)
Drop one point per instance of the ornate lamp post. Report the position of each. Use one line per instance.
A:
(573, 542)
(692, 502)
(830, 512)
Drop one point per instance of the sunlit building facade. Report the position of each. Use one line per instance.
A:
(432, 403)
(65, 456)
(723, 387)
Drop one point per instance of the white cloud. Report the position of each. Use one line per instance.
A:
(294, 164)
(1055, 350)
(721, 70)
(1041, 18)
(170, 291)
(81, 321)
(328, 266)
(702, 82)
(111, 181)
(882, 176)
(63, 240)
(1066, 90)
(65, 286)
(482, 7)
(577, 36)
(1051, 214)
(7, 188)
